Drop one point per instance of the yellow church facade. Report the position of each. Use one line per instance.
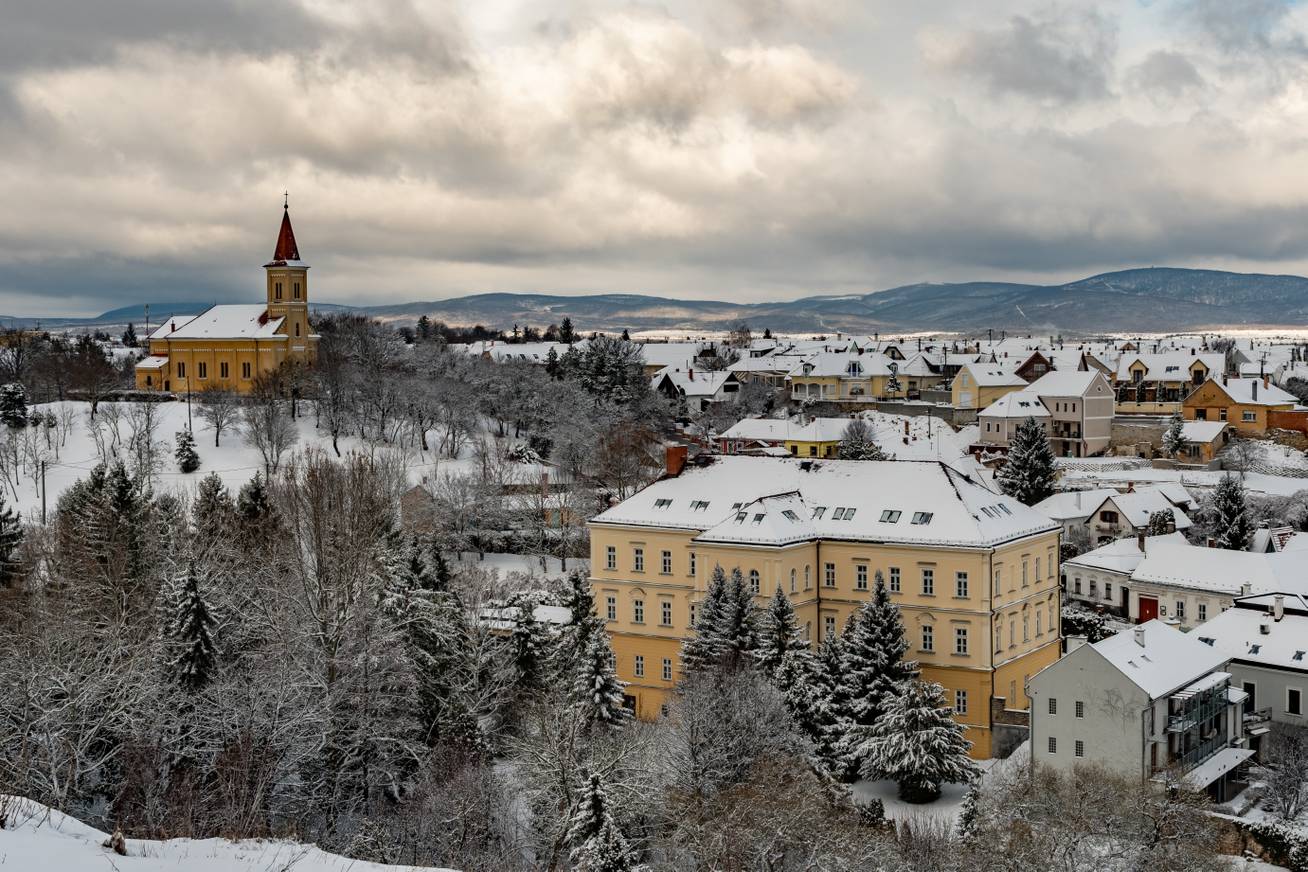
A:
(975, 574)
(229, 346)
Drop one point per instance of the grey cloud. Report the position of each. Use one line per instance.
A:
(1238, 25)
(1063, 58)
(1165, 74)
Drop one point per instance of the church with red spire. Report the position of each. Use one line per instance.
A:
(227, 347)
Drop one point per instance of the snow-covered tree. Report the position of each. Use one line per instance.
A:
(597, 843)
(1173, 440)
(706, 648)
(969, 814)
(584, 622)
(193, 655)
(740, 634)
(1161, 523)
(1029, 472)
(779, 634)
(596, 691)
(13, 405)
(1229, 514)
(213, 510)
(918, 744)
(129, 336)
(857, 443)
(528, 646)
(11, 536)
(187, 459)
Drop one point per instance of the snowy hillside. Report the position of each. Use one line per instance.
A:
(37, 837)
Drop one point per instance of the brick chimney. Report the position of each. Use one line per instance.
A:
(1267, 381)
(675, 459)
(690, 373)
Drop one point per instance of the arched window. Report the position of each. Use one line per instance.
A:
(754, 581)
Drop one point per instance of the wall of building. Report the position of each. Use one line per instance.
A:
(1270, 688)
(1192, 603)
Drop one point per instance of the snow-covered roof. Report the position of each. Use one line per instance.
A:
(920, 502)
(170, 326)
(1221, 570)
(1121, 555)
(154, 361)
(1159, 659)
(782, 519)
(1073, 505)
(1238, 632)
(532, 352)
(1202, 432)
(693, 382)
(993, 375)
(1064, 383)
(1019, 404)
(1138, 506)
(1252, 392)
(783, 429)
(1172, 366)
(232, 321)
(843, 364)
(678, 354)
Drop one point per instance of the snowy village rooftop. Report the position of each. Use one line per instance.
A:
(1158, 659)
(914, 502)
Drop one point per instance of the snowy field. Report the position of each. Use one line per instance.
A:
(235, 460)
(39, 838)
(948, 806)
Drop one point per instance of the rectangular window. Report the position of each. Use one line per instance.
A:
(1293, 701)
(611, 557)
(1080, 708)
(665, 613)
(960, 585)
(860, 576)
(1248, 417)
(928, 638)
(245, 370)
(277, 289)
(829, 626)
(960, 640)
(928, 581)
(611, 608)
(667, 562)
(1037, 570)
(1079, 749)
(1180, 610)
(960, 702)
(202, 369)
(1221, 414)
(667, 668)
(638, 611)
(296, 289)
(638, 560)
(1108, 590)
(222, 369)
(1203, 611)
(829, 575)
(1024, 578)
(640, 665)
(1053, 745)
(1053, 705)
(894, 579)
(998, 582)
(181, 369)
(692, 563)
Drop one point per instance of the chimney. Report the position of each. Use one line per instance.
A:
(1278, 607)
(1255, 389)
(1265, 627)
(676, 459)
(1210, 542)
(690, 374)
(1246, 588)
(1267, 382)
(1140, 540)
(1139, 636)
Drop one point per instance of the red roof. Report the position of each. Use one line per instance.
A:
(286, 248)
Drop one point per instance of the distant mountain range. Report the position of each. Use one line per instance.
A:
(1158, 299)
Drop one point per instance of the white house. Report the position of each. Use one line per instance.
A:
(1150, 702)
(1102, 578)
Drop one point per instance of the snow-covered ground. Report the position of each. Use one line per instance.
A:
(950, 803)
(39, 838)
(1272, 458)
(235, 461)
(524, 564)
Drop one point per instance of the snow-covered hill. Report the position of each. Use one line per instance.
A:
(39, 838)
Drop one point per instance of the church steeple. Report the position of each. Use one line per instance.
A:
(288, 284)
(287, 251)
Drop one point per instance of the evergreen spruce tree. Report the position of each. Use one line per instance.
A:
(213, 510)
(818, 703)
(11, 536)
(583, 623)
(1029, 472)
(596, 691)
(567, 334)
(779, 635)
(597, 843)
(253, 506)
(856, 443)
(740, 636)
(1229, 515)
(13, 405)
(707, 647)
(970, 813)
(527, 646)
(194, 655)
(129, 336)
(187, 459)
(1173, 440)
(872, 672)
(552, 368)
(1161, 523)
(918, 744)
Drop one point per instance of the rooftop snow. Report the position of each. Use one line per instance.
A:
(1237, 633)
(1166, 662)
(1121, 555)
(236, 321)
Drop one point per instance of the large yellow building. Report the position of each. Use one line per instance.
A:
(229, 346)
(974, 573)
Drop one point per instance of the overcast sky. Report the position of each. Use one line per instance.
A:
(724, 149)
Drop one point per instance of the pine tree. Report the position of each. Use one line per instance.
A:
(527, 645)
(583, 622)
(1230, 515)
(11, 536)
(1161, 523)
(187, 459)
(552, 363)
(129, 336)
(13, 405)
(707, 647)
(1029, 471)
(918, 744)
(566, 333)
(740, 636)
(872, 671)
(817, 701)
(856, 443)
(213, 510)
(194, 658)
(780, 634)
(969, 815)
(1173, 438)
(597, 843)
(596, 691)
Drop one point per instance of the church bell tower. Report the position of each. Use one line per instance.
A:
(288, 287)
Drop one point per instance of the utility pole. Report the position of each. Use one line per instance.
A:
(188, 407)
(43, 492)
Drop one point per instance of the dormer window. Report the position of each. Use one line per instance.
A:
(662, 504)
(741, 516)
(818, 512)
(890, 516)
(698, 505)
(1255, 648)
(854, 369)
(789, 515)
(758, 519)
(922, 517)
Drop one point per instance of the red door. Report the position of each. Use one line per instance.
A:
(1148, 608)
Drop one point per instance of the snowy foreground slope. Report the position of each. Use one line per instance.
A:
(38, 838)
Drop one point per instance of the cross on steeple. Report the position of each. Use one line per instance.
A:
(286, 199)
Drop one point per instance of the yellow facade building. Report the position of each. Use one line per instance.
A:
(229, 346)
(974, 573)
